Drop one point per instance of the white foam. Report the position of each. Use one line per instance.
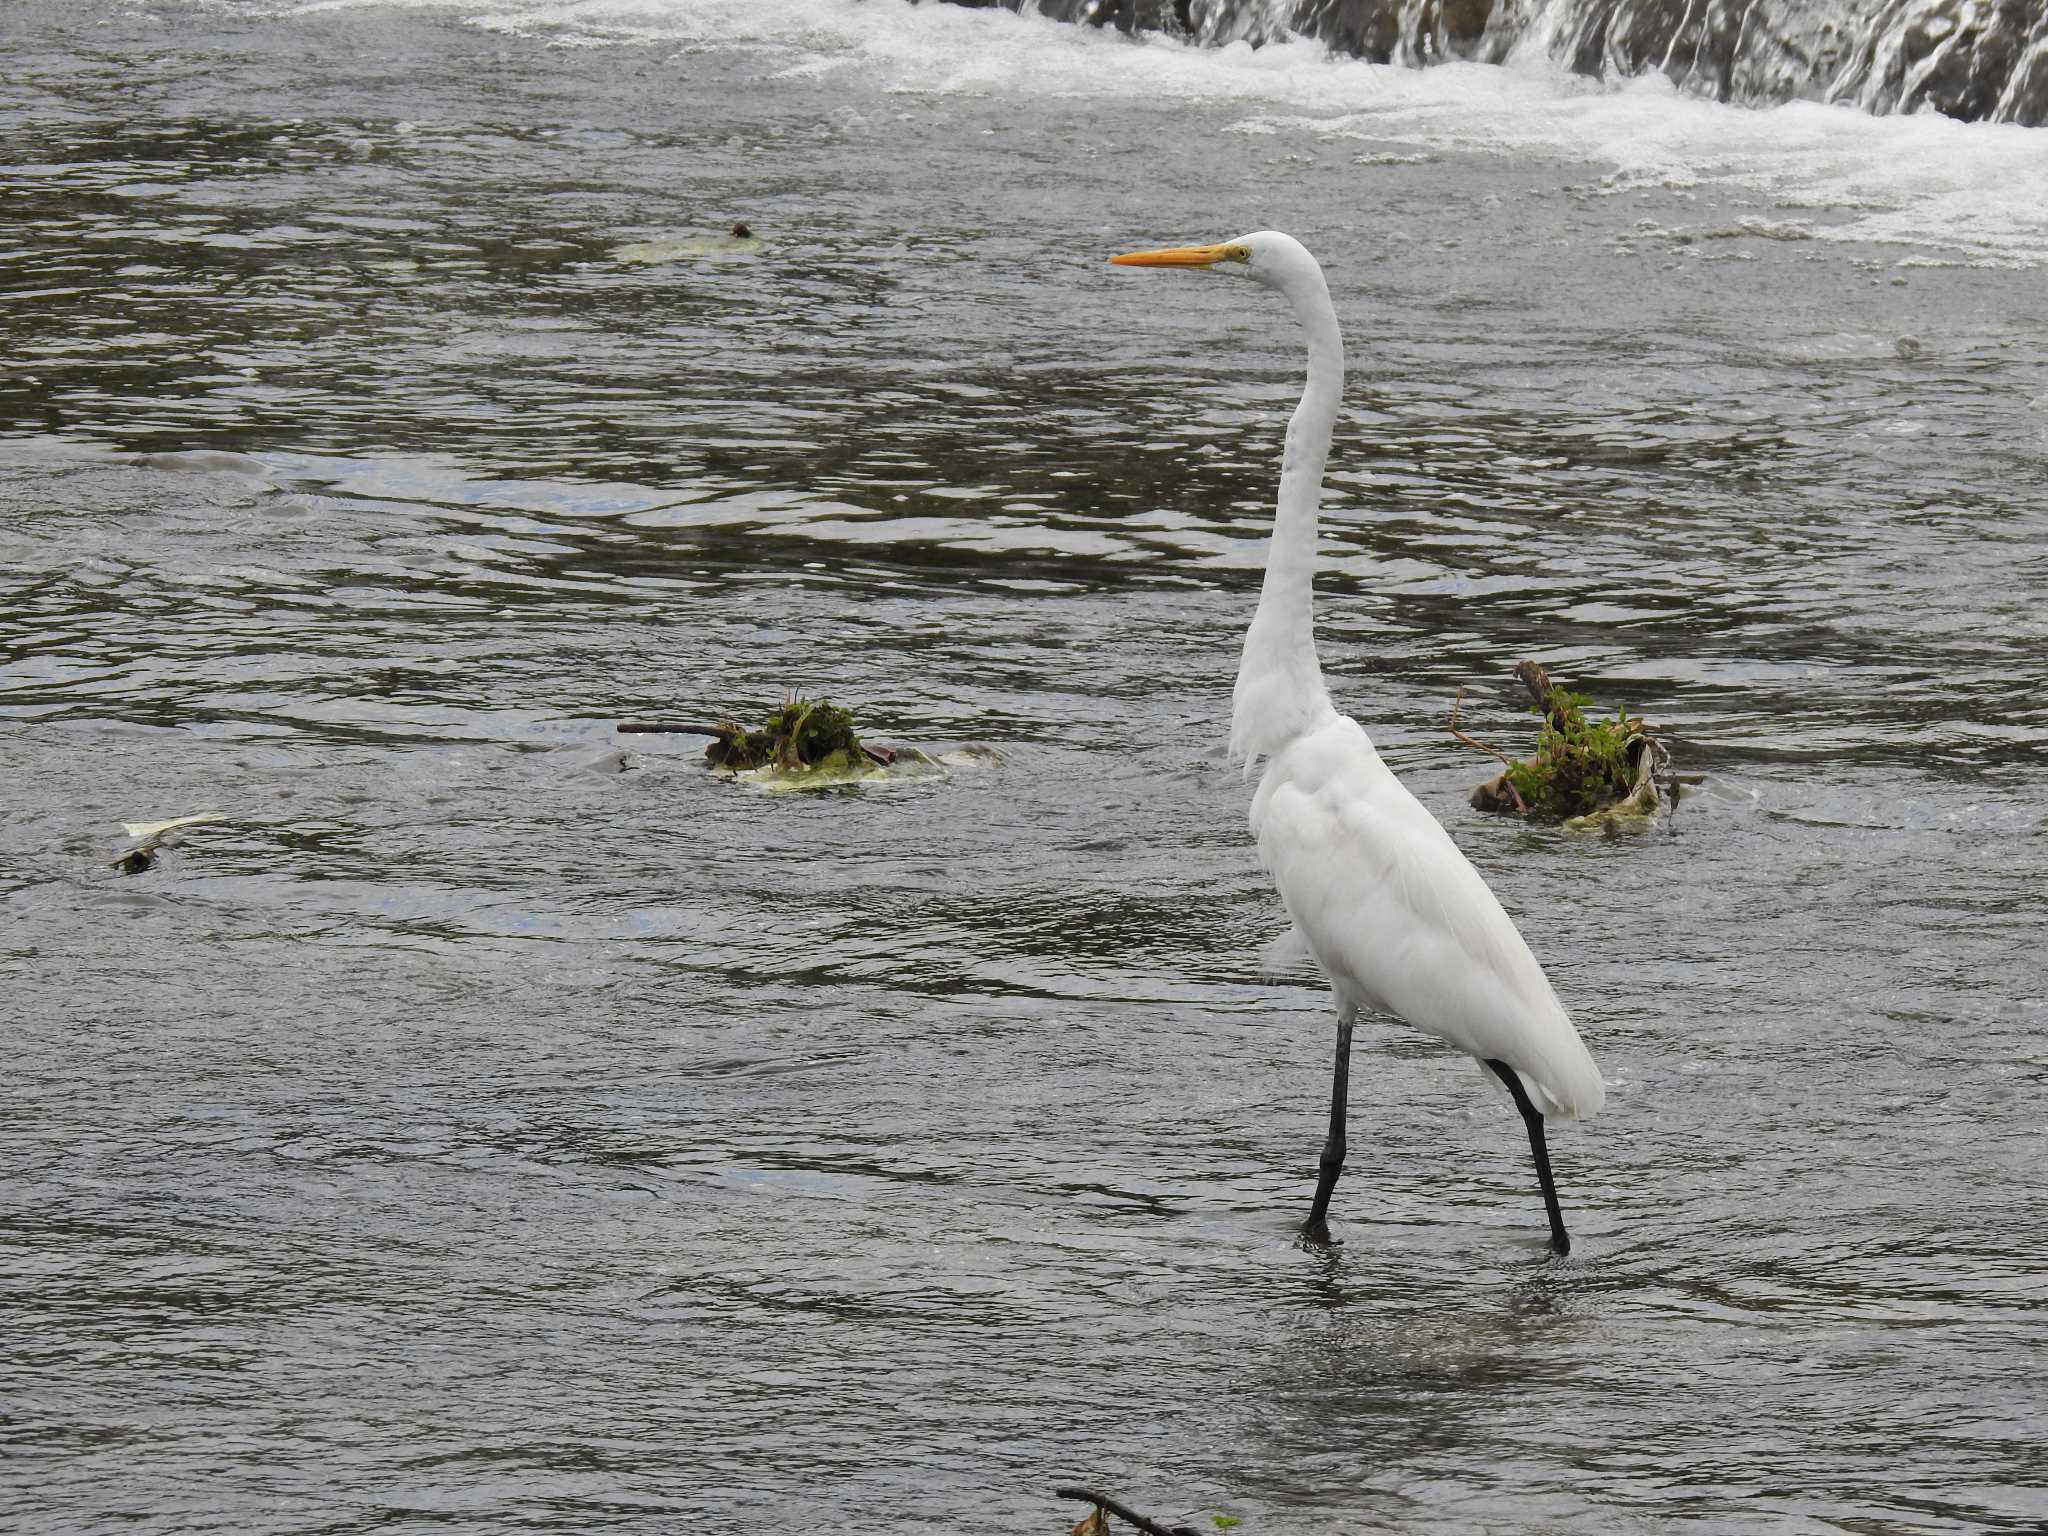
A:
(1919, 180)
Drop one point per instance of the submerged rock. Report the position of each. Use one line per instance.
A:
(738, 241)
(902, 763)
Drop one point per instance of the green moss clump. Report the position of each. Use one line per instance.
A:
(1603, 773)
(1580, 765)
(802, 734)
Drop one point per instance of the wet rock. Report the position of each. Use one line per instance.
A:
(1124, 15)
(1416, 32)
(1973, 59)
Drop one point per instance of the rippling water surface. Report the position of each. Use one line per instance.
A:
(495, 1123)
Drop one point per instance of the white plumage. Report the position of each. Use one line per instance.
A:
(1400, 922)
(1396, 917)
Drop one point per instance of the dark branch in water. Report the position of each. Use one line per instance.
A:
(1521, 808)
(1124, 1512)
(669, 728)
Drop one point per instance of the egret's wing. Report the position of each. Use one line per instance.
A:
(1396, 915)
(1284, 953)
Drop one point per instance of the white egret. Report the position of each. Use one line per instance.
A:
(1395, 916)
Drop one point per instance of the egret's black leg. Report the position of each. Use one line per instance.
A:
(1559, 1241)
(1317, 1227)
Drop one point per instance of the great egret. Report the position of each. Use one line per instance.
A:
(1395, 916)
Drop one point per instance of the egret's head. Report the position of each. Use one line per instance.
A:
(1267, 257)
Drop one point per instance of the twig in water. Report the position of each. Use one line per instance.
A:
(670, 728)
(1125, 1513)
(1507, 761)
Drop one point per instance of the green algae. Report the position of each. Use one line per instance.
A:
(802, 736)
(814, 744)
(1587, 773)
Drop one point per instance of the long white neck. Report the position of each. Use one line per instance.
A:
(1280, 691)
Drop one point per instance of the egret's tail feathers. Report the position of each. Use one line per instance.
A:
(1564, 1085)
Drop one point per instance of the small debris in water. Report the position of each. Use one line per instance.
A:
(151, 836)
(153, 831)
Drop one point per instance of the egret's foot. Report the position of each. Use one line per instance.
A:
(1315, 1233)
(1560, 1244)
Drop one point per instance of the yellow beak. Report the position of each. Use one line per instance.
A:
(1177, 256)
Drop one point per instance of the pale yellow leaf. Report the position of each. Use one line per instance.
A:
(150, 831)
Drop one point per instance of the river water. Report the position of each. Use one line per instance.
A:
(496, 1123)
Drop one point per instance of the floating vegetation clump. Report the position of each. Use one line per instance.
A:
(803, 734)
(807, 744)
(1585, 772)
(1580, 764)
